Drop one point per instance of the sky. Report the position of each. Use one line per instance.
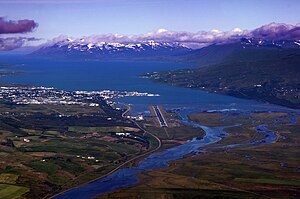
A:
(78, 18)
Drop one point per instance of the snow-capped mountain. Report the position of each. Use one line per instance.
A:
(81, 47)
(270, 43)
(89, 48)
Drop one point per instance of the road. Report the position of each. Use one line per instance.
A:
(128, 161)
(127, 110)
(160, 117)
(151, 134)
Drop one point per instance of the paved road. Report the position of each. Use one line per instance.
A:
(125, 163)
(127, 110)
(160, 117)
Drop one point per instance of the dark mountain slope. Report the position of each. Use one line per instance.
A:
(241, 51)
(270, 74)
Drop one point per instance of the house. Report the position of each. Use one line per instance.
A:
(123, 134)
(139, 118)
(26, 140)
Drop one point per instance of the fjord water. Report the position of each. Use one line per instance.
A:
(124, 76)
(121, 76)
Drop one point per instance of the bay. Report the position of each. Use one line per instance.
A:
(126, 76)
(122, 76)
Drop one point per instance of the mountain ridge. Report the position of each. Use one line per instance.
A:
(218, 53)
(264, 73)
(74, 48)
(212, 54)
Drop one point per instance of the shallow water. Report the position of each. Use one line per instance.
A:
(127, 176)
(124, 76)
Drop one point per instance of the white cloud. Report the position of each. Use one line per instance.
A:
(200, 39)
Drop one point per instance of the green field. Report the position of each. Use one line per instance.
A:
(45, 153)
(12, 191)
(8, 178)
(263, 171)
(116, 129)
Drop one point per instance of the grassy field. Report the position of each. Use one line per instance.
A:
(116, 129)
(209, 119)
(8, 178)
(12, 191)
(263, 171)
(240, 134)
(42, 152)
(176, 133)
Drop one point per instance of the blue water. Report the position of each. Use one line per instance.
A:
(121, 76)
(127, 176)
(124, 76)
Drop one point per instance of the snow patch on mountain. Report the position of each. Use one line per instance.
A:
(269, 43)
(69, 46)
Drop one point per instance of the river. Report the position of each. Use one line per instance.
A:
(127, 176)
(125, 76)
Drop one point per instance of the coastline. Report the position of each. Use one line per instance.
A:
(118, 167)
(233, 93)
(175, 180)
(123, 164)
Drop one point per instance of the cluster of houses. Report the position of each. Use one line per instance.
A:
(137, 118)
(49, 95)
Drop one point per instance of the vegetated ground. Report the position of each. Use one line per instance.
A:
(8, 189)
(262, 171)
(46, 148)
(264, 74)
(176, 133)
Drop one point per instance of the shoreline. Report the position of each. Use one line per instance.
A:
(241, 96)
(149, 177)
(123, 164)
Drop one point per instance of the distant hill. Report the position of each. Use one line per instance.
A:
(252, 68)
(218, 53)
(269, 72)
(69, 48)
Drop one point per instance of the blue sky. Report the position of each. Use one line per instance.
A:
(78, 18)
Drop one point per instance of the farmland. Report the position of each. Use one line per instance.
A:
(43, 152)
(256, 171)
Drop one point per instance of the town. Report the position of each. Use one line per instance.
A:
(49, 95)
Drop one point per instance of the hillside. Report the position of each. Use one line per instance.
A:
(246, 49)
(267, 73)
